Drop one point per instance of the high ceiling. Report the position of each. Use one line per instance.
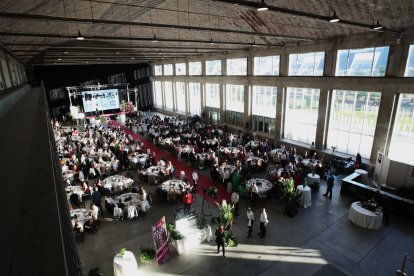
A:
(125, 31)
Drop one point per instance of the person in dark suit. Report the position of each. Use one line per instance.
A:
(220, 240)
(330, 183)
(382, 201)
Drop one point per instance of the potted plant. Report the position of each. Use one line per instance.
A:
(147, 255)
(290, 196)
(226, 219)
(202, 225)
(175, 238)
(212, 191)
(121, 252)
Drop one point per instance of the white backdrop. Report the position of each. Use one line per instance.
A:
(100, 99)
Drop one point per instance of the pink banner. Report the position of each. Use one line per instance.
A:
(159, 234)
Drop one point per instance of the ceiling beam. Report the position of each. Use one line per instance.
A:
(26, 16)
(305, 15)
(115, 38)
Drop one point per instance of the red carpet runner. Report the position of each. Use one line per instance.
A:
(203, 181)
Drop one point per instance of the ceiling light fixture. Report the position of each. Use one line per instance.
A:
(211, 41)
(262, 6)
(80, 36)
(378, 26)
(154, 39)
(59, 59)
(334, 18)
(132, 58)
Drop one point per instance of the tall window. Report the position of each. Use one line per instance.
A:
(237, 67)
(307, 64)
(213, 95)
(158, 70)
(235, 97)
(352, 121)
(180, 96)
(194, 68)
(402, 141)
(168, 95)
(180, 69)
(168, 69)
(409, 68)
(264, 101)
(158, 93)
(266, 66)
(367, 62)
(301, 114)
(195, 98)
(213, 67)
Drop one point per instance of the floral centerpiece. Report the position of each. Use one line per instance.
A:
(147, 255)
(122, 251)
(212, 191)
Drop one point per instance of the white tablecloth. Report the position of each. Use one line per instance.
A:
(154, 170)
(312, 178)
(226, 171)
(117, 182)
(263, 185)
(74, 190)
(125, 265)
(178, 185)
(365, 218)
(79, 214)
(305, 198)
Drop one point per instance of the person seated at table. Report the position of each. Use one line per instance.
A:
(358, 161)
(171, 196)
(90, 226)
(120, 204)
(78, 229)
(85, 188)
(74, 199)
(169, 170)
(142, 193)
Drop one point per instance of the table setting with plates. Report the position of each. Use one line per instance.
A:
(139, 158)
(133, 199)
(74, 190)
(255, 160)
(263, 185)
(117, 182)
(155, 170)
(366, 215)
(79, 214)
(69, 175)
(230, 150)
(176, 184)
(305, 198)
(253, 144)
(310, 163)
(275, 154)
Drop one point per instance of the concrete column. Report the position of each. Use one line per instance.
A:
(222, 103)
(187, 106)
(284, 64)
(247, 103)
(322, 119)
(280, 111)
(330, 63)
(397, 54)
(383, 131)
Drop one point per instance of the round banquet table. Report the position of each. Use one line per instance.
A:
(74, 190)
(125, 265)
(364, 175)
(226, 171)
(364, 217)
(79, 214)
(178, 185)
(117, 182)
(263, 185)
(312, 178)
(305, 198)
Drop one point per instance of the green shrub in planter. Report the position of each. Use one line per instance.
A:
(147, 255)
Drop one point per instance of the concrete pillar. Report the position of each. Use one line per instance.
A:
(322, 119)
(222, 103)
(280, 107)
(397, 53)
(284, 64)
(330, 63)
(247, 103)
(383, 131)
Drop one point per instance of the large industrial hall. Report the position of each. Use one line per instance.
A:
(207, 137)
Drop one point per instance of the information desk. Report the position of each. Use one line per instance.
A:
(364, 217)
(351, 186)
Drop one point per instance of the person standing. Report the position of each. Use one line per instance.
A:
(96, 198)
(235, 201)
(195, 179)
(263, 223)
(188, 200)
(329, 183)
(250, 220)
(220, 240)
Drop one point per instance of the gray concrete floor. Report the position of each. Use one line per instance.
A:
(319, 240)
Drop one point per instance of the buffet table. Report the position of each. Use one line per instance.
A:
(305, 198)
(364, 217)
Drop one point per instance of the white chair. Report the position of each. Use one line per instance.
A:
(118, 213)
(132, 212)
